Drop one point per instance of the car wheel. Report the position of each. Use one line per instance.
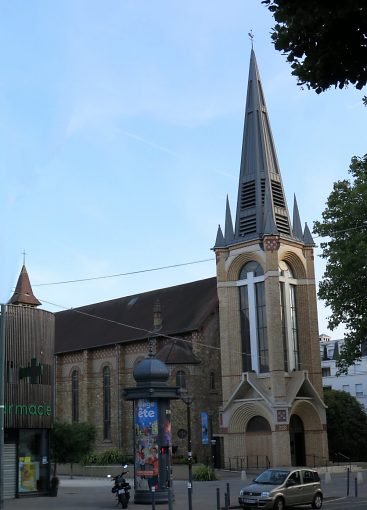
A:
(279, 504)
(317, 501)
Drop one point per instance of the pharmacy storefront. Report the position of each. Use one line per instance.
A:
(29, 391)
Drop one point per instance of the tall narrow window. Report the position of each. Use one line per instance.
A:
(75, 396)
(288, 307)
(181, 379)
(106, 403)
(254, 339)
(212, 380)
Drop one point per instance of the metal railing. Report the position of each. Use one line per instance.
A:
(239, 463)
(313, 460)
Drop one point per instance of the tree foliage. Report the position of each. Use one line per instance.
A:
(346, 425)
(71, 441)
(344, 283)
(325, 41)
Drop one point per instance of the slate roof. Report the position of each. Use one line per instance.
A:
(184, 309)
(23, 294)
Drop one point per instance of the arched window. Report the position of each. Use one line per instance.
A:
(75, 396)
(258, 424)
(255, 349)
(288, 306)
(106, 403)
(181, 379)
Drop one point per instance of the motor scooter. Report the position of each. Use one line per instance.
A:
(121, 488)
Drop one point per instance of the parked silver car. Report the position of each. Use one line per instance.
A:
(278, 488)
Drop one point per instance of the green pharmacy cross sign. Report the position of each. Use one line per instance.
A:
(34, 371)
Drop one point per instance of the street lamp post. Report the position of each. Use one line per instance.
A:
(188, 401)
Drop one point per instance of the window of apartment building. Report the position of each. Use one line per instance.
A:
(359, 390)
(346, 388)
(75, 396)
(325, 371)
(106, 403)
(255, 349)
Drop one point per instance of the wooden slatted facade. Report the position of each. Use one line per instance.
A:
(29, 372)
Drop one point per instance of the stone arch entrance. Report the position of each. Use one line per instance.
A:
(297, 441)
(258, 443)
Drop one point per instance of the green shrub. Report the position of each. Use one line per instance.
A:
(183, 459)
(108, 457)
(204, 474)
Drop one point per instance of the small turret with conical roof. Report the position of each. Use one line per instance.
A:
(23, 294)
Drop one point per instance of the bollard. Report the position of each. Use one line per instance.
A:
(226, 505)
(170, 505)
(218, 498)
(348, 473)
(153, 498)
(228, 495)
(355, 487)
(327, 477)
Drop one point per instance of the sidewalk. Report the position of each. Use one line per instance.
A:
(95, 494)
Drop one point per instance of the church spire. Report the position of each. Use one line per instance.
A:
(23, 294)
(261, 200)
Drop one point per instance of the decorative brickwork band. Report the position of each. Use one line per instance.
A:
(271, 244)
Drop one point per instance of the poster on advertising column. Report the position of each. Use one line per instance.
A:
(146, 444)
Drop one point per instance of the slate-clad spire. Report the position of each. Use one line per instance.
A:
(228, 232)
(23, 294)
(307, 237)
(297, 227)
(259, 174)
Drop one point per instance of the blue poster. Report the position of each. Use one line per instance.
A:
(204, 428)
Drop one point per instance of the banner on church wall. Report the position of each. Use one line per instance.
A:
(204, 428)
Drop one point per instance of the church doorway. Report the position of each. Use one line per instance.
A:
(297, 440)
(258, 443)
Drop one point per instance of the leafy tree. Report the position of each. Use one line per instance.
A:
(71, 441)
(325, 41)
(346, 425)
(344, 284)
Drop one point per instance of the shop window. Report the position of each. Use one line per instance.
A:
(33, 461)
(106, 403)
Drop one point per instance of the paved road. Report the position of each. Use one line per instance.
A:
(95, 494)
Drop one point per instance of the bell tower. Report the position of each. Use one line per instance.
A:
(271, 369)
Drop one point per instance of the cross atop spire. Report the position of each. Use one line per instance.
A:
(252, 37)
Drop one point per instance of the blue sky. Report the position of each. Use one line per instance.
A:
(120, 136)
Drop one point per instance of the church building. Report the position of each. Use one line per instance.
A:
(271, 376)
(244, 344)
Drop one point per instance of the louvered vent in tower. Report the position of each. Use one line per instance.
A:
(282, 224)
(278, 196)
(262, 191)
(248, 225)
(248, 195)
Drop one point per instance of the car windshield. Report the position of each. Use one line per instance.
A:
(272, 477)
